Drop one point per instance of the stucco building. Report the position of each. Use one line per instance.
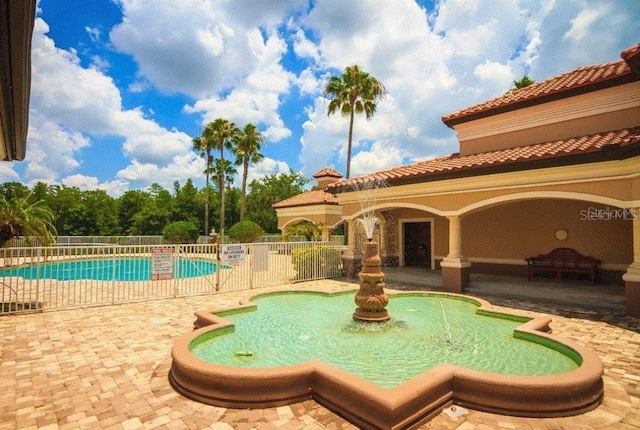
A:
(318, 206)
(555, 164)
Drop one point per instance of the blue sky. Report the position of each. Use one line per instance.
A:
(120, 87)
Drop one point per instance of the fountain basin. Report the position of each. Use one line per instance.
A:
(407, 405)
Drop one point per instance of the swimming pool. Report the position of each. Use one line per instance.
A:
(111, 269)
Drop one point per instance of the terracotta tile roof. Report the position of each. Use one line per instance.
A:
(313, 197)
(327, 171)
(468, 165)
(579, 80)
(630, 52)
(632, 57)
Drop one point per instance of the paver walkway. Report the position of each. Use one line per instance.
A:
(107, 367)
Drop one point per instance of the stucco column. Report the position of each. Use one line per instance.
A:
(351, 258)
(632, 276)
(326, 234)
(391, 240)
(455, 267)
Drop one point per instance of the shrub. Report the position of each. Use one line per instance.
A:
(316, 262)
(310, 230)
(245, 232)
(181, 232)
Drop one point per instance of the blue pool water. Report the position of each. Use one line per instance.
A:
(118, 269)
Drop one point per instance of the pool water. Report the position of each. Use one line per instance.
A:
(424, 331)
(118, 269)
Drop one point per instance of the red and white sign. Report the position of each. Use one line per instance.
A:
(161, 264)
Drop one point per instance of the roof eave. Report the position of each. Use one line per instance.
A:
(572, 92)
(305, 204)
(16, 30)
(609, 153)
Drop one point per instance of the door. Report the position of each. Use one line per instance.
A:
(417, 244)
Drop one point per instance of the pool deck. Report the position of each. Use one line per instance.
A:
(106, 367)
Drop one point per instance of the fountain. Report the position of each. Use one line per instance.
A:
(371, 298)
(367, 405)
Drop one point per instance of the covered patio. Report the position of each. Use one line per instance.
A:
(590, 299)
(546, 167)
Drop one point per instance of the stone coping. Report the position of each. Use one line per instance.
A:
(405, 406)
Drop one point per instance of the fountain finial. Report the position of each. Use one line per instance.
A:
(369, 222)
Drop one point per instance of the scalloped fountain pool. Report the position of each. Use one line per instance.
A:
(291, 328)
(437, 350)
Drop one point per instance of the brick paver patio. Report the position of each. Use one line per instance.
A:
(106, 368)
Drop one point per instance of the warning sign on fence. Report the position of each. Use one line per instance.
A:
(233, 254)
(161, 264)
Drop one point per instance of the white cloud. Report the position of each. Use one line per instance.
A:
(146, 141)
(382, 155)
(577, 33)
(7, 173)
(237, 60)
(140, 175)
(495, 75)
(396, 45)
(52, 149)
(256, 99)
(70, 103)
(194, 47)
(263, 168)
(304, 48)
(581, 24)
(308, 83)
(65, 92)
(114, 188)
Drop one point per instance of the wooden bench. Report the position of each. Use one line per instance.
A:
(563, 260)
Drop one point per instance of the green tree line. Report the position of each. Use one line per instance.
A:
(146, 212)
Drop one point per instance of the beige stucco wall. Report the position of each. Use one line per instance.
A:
(523, 229)
(510, 216)
(510, 232)
(326, 215)
(616, 183)
(604, 110)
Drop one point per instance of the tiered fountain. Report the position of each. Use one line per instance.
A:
(371, 298)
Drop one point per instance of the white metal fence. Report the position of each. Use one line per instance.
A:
(34, 279)
(154, 240)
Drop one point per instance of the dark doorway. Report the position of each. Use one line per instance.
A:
(417, 244)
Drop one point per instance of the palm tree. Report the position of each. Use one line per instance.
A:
(247, 151)
(222, 133)
(204, 145)
(224, 172)
(524, 81)
(18, 218)
(353, 92)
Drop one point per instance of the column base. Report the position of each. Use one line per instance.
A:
(455, 275)
(632, 293)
